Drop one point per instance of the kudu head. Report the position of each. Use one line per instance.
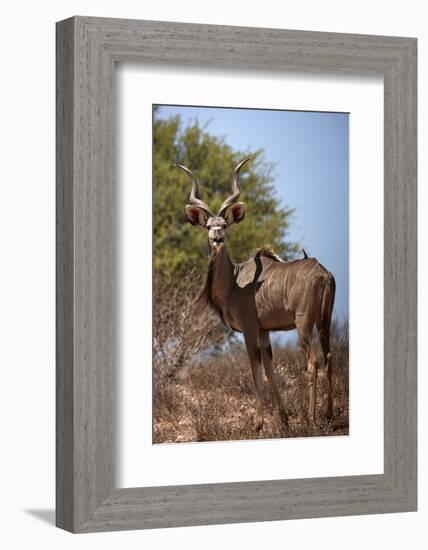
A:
(231, 211)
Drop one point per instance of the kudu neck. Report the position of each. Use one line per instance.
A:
(223, 280)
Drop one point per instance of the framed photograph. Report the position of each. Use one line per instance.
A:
(236, 274)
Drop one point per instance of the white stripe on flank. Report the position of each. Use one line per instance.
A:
(284, 291)
(298, 273)
(295, 281)
(275, 268)
(309, 276)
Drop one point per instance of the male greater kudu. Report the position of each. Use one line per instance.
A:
(265, 294)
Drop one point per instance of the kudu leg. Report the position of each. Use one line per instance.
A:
(305, 334)
(254, 354)
(328, 363)
(329, 412)
(313, 376)
(266, 350)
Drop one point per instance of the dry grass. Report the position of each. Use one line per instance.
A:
(181, 332)
(213, 398)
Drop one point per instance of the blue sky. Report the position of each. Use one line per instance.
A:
(311, 152)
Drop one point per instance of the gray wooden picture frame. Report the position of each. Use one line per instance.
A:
(87, 50)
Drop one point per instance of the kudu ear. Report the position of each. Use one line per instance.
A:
(235, 213)
(196, 216)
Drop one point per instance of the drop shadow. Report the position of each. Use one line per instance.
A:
(46, 515)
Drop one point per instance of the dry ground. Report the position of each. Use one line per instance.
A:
(213, 399)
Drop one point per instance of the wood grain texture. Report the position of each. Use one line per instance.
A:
(64, 277)
(87, 49)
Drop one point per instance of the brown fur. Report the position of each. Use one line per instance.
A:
(204, 300)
